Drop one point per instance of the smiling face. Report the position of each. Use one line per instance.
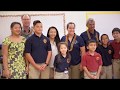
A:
(116, 35)
(104, 39)
(38, 28)
(63, 49)
(92, 46)
(26, 20)
(71, 28)
(16, 28)
(52, 33)
(91, 25)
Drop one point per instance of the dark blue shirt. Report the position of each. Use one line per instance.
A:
(85, 37)
(60, 63)
(106, 53)
(0, 46)
(75, 53)
(38, 47)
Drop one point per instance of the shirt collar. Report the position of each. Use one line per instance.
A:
(93, 33)
(90, 54)
(24, 30)
(63, 57)
(116, 42)
(38, 36)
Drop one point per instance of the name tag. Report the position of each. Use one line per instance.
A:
(66, 71)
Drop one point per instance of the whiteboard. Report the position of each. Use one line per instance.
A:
(48, 20)
(104, 23)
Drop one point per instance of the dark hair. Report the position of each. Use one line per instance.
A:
(68, 54)
(57, 38)
(104, 35)
(91, 41)
(36, 21)
(24, 15)
(116, 29)
(14, 23)
(69, 24)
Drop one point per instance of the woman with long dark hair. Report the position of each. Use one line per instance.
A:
(53, 35)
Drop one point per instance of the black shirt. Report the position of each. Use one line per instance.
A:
(106, 53)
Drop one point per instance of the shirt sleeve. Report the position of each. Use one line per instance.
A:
(100, 61)
(98, 50)
(28, 46)
(63, 39)
(55, 61)
(83, 61)
(81, 35)
(81, 42)
(6, 41)
(48, 45)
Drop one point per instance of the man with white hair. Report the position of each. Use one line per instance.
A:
(90, 33)
(26, 31)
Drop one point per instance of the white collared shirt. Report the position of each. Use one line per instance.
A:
(54, 53)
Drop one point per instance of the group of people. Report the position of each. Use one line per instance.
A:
(28, 54)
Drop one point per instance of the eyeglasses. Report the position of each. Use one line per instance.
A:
(25, 19)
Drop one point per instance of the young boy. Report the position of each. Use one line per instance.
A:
(38, 53)
(91, 61)
(106, 51)
(116, 56)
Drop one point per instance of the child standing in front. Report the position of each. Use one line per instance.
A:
(106, 51)
(62, 62)
(91, 62)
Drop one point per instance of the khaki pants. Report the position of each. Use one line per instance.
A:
(51, 73)
(35, 74)
(86, 76)
(116, 68)
(106, 72)
(74, 71)
(61, 75)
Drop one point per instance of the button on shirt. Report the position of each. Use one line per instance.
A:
(38, 47)
(75, 53)
(60, 63)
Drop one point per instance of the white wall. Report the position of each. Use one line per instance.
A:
(104, 23)
(77, 17)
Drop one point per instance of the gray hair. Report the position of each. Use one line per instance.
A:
(25, 15)
(90, 19)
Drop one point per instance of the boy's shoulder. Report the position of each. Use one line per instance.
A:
(86, 54)
(45, 37)
(97, 54)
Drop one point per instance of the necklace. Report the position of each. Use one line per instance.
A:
(72, 42)
(96, 35)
